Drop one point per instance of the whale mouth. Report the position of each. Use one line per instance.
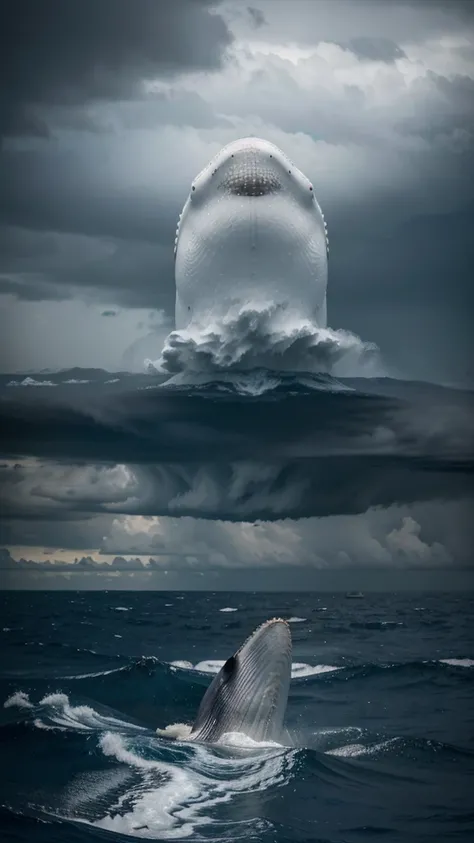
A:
(250, 178)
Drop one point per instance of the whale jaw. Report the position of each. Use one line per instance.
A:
(250, 692)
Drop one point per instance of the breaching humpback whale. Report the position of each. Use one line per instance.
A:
(251, 231)
(250, 692)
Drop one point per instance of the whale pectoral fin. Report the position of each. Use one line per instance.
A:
(216, 696)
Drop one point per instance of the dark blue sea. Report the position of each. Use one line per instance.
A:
(381, 719)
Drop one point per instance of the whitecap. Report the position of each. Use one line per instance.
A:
(239, 739)
(59, 711)
(301, 669)
(18, 699)
(228, 609)
(298, 669)
(182, 663)
(31, 382)
(210, 665)
(296, 620)
(458, 662)
(355, 750)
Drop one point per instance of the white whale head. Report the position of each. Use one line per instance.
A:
(251, 231)
(250, 692)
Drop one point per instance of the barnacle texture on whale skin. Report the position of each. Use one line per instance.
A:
(251, 232)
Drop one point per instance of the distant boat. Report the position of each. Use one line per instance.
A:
(354, 595)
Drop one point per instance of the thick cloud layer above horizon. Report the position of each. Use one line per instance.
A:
(109, 110)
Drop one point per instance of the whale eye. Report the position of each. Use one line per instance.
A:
(193, 187)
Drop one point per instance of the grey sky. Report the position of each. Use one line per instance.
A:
(106, 125)
(104, 122)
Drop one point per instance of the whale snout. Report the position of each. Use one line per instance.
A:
(249, 175)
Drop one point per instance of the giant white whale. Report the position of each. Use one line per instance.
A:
(251, 233)
(249, 694)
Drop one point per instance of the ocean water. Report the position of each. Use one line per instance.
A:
(380, 717)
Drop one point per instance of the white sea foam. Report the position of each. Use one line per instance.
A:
(57, 709)
(172, 802)
(209, 665)
(298, 669)
(301, 669)
(228, 609)
(31, 382)
(239, 739)
(120, 608)
(265, 336)
(182, 663)
(296, 620)
(75, 380)
(158, 799)
(180, 731)
(38, 723)
(355, 750)
(82, 717)
(19, 700)
(458, 662)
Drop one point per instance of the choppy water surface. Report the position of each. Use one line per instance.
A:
(381, 719)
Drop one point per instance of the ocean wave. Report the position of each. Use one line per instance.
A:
(18, 700)
(30, 382)
(213, 666)
(458, 662)
(144, 668)
(150, 787)
(156, 789)
(262, 336)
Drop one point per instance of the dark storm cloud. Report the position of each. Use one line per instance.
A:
(224, 456)
(55, 52)
(241, 491)
(91, 210)
(40, 265)
(38, 186)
